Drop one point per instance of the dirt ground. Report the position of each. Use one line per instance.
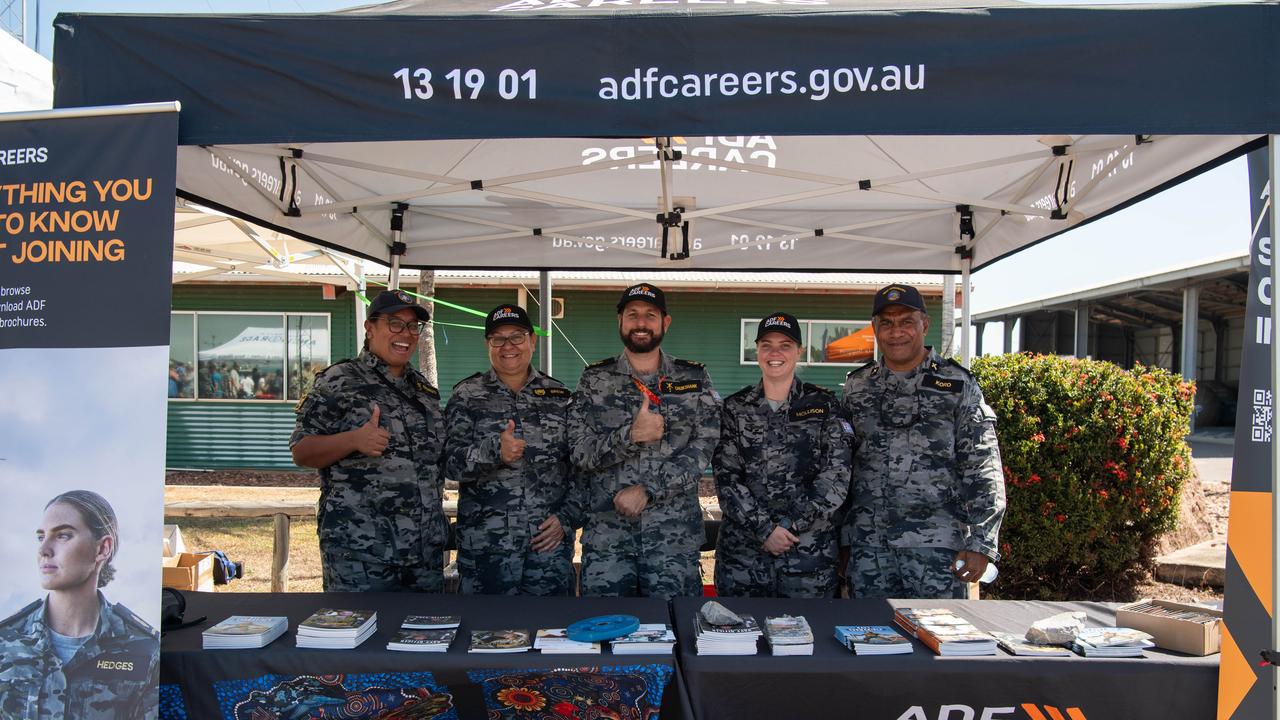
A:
(1205, 517)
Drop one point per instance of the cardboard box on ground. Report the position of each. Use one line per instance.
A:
(188, 571)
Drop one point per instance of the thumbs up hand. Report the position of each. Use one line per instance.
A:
(512, 446)
(647, 426)
(370, 438)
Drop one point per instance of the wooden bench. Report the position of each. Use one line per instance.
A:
(280, 511)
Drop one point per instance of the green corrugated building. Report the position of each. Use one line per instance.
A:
(241, 347)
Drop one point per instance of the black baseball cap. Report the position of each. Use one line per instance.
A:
(506, 315)
(393, 301)
(903, 295)
(644, 292)
(780, 322)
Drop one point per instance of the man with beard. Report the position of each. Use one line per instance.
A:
(642, 428)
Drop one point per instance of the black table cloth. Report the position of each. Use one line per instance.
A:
(835, 683)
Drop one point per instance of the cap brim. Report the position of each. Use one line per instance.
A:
(423, 314)
(643, 299)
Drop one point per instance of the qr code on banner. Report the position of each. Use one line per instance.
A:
(1261, 416)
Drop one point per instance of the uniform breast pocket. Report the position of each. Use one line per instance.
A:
(19, 691)
(680, 418)
(548, 429)
(804, 440)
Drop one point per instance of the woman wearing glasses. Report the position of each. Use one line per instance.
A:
(508, 449)
(781, 469)
(373, 428)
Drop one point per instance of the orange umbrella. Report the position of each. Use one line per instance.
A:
(859, 346)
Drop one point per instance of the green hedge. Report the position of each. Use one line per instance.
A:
(1094, 464)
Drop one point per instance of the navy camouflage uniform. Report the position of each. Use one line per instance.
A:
(787, 467)
(114, 674)
(655, 555)
(927, 478)
(380, 519)
(500, 506)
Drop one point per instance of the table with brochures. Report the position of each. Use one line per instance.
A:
(835, 683)
(208, 683)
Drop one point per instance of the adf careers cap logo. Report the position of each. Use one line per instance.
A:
(503, 313)
(642, 290)
(776, 321)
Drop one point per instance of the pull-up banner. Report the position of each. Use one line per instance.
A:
(86, 246)
(1243, 688)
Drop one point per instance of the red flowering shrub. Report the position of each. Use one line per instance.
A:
(1094, 462)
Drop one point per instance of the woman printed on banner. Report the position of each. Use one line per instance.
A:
(74, 653)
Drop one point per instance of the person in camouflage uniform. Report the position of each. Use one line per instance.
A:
(372, 426)
(782, 470)
(74, 654)
(928, 487)
(508, 448)
(642, 429)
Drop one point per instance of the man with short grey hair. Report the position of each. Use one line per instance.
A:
(928, 487)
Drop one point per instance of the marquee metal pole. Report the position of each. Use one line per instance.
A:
(544, 320)
(965, 265)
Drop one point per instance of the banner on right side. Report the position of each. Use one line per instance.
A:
(1243, 687)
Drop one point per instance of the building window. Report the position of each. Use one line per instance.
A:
(246, 356)
(826, 342)
(182, 355)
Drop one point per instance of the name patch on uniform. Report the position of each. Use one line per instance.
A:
(116, 666)
(678, 387)
(427, 389)
(551, 392)
(809, 412)
(933, 382)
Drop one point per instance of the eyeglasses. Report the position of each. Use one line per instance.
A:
(396, 325)
(497, 341)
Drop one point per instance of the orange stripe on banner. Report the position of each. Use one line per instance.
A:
(1249, 539)
(1032, 711)
(1235, 676)
(1053, 712)
(1075, 714)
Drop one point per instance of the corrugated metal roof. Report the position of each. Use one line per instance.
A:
(1179, 275)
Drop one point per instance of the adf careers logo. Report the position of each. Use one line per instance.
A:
(642, 290)
(966, 712)
(777, 320)
(504, 313)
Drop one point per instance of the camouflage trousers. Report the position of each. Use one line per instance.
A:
(761, 575)
(345, 572)
(925, 573)
(622, 558)
(503, 571)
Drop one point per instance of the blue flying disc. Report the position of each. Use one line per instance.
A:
(603, 627)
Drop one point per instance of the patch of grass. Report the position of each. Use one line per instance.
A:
(249, 540)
